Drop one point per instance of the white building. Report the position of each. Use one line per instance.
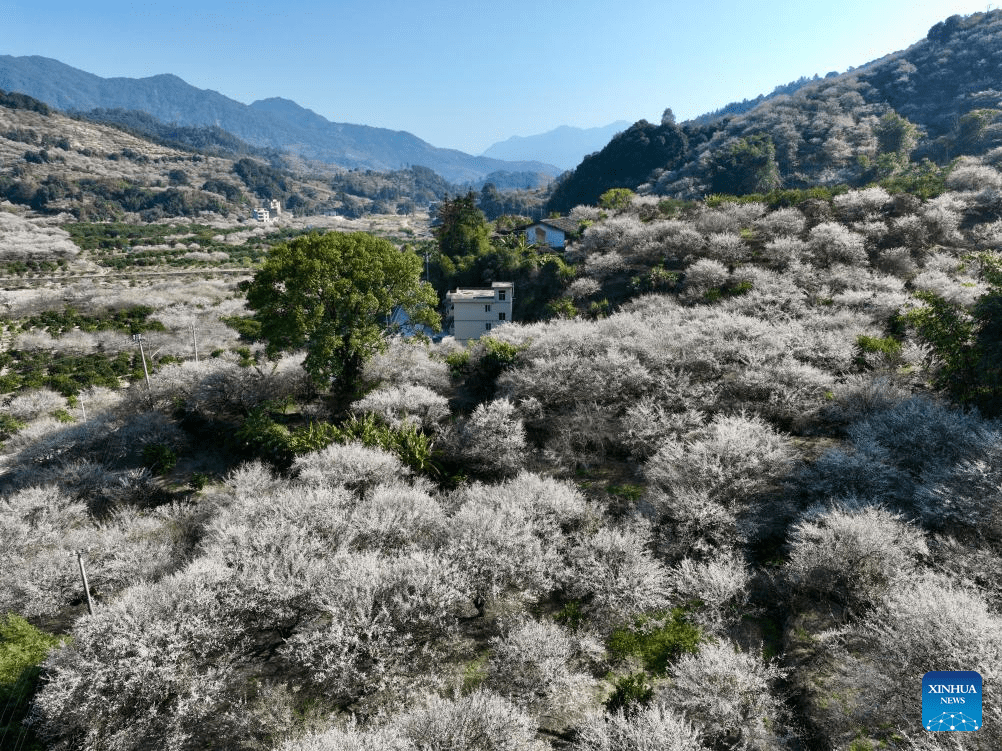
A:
(275, 207)
(476, 312)
(262, 215)
(551, 232)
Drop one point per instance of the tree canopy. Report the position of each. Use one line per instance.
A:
(330, 294)
(462, 228)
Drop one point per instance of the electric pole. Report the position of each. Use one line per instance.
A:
(194, 339)
(139, 338)
(83, 576)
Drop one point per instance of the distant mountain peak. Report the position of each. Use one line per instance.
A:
(564, 146)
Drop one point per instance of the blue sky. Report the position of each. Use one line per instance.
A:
(466, 74)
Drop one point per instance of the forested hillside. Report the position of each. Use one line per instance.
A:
(937, 100)
(56, 164)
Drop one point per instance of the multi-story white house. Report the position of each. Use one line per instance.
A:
(476, 312)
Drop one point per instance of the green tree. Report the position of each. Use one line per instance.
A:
(966, 345)
(463, 229)
(331, 294)
(747, 165)
(616, 199)
(895, 135)
(490, 201)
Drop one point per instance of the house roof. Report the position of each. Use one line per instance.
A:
(478, 294)
(563, 223)
(462, 295)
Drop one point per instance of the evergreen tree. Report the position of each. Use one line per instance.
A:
(462, 228)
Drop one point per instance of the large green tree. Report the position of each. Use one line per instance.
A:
(462, 229)
(331, 294)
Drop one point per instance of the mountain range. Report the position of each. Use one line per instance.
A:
(565, 146)
(275, 122)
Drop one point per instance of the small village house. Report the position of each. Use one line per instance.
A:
(475, 312)
(551, 233)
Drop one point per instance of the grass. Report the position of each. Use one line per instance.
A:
(23, 648)
(657, 639)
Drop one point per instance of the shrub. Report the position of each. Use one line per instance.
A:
(159, 458)
(726, 694)
(965, 345)
(878, 352)
(491, 442)
(615, 576)
(530, 662)
(350, 465)
(704, 275)
(8, 426)
(718, 589)
(616, 199)
(632, 692)
(412, 404)
(832, 243)
(656, 727)
(481, 721)
(852, 556)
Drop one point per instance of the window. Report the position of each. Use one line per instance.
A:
(500, 316)
(487, 308)
(488, 326)
(500, 294)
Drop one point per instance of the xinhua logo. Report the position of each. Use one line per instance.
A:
(951, 700)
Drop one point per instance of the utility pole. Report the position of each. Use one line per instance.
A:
(194, 339)
(83, 576)
(139, 338)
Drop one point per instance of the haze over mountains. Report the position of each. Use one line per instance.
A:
(274, 122)
(564, 146)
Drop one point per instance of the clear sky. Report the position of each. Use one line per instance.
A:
(464, 74)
